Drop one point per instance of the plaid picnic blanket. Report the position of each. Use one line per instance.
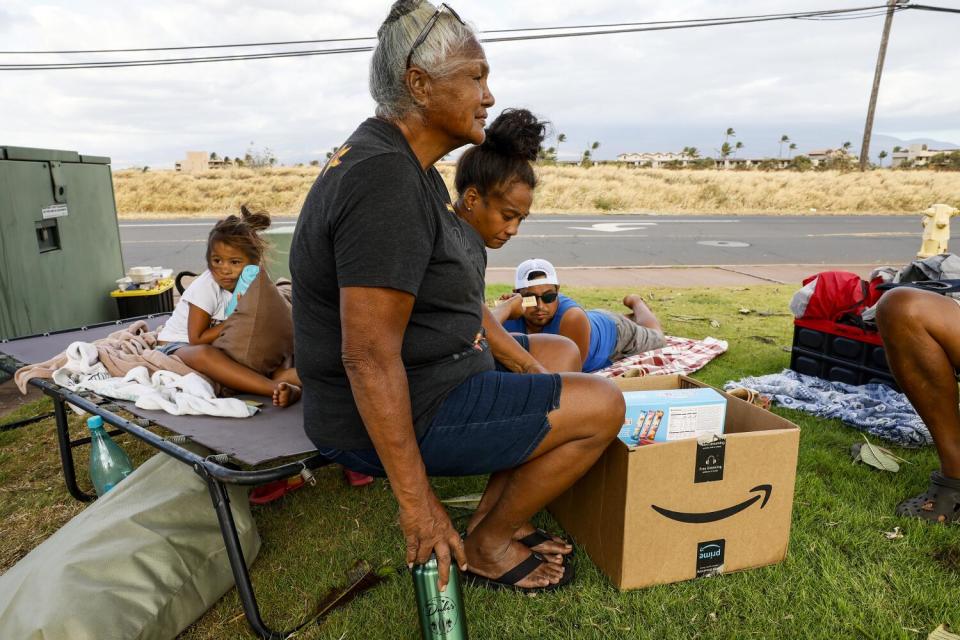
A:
(680, 355)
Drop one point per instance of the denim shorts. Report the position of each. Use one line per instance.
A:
(169, 348)
(492, 421)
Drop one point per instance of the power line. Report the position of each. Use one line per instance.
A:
(491, 31)
(650, 26)
(924, 7)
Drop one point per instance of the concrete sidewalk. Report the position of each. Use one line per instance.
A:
(686, 276)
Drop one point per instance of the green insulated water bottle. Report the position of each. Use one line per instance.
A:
(108, 463)
(442, 616)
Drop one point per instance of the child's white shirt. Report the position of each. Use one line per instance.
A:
(204, 293)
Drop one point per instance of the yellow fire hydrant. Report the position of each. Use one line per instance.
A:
(936, 230)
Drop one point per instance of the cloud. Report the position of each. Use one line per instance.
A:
(670, 89)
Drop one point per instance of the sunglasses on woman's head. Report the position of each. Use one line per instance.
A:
(429, 25)
(546, 298)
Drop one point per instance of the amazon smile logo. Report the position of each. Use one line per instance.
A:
(763, 492)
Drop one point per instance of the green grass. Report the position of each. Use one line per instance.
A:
(842, 578)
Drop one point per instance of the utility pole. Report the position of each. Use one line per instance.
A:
(868, 128)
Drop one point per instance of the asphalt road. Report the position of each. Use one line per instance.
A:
(636, 240)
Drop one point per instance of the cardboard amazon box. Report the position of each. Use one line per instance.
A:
(672, 511)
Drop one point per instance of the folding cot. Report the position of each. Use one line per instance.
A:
(272, 436)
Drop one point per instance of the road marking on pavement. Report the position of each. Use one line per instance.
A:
(653, 221)
(578, 235)
(724, 243)
(616, 227)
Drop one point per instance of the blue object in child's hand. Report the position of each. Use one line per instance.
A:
(247, 276)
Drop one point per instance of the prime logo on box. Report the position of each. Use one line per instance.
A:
(710, 557)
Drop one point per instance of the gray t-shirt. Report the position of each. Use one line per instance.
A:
(374, 218)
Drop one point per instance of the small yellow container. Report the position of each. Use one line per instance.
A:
(143, 302)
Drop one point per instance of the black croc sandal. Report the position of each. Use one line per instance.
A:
(510, 579)
(538, 537)
(940, 504)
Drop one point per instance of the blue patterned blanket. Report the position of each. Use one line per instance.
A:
(875, 409)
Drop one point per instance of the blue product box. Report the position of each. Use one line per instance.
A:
(672, 414)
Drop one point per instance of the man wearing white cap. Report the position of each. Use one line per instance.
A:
(537, 306)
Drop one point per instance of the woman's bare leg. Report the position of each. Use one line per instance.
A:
(590, 415)
(557, 354)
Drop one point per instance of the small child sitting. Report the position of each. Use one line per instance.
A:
(233, 243)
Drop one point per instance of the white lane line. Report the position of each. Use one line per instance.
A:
(653, 220)
(579, 235)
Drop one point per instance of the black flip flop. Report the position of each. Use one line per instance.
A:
(940, 504)
(538, 537)
(509, 580)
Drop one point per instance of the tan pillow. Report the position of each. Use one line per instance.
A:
(259, 333)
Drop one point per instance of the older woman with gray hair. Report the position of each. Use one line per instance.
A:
(399, 378)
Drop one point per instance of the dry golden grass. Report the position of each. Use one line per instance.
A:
(609, 189)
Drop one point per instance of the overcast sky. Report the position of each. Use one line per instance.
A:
(632, 92)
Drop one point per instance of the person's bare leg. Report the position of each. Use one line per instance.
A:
(557, 354)
(590, 415)
(640, 312)
(922, 344)
(218, 366)
(552, 550)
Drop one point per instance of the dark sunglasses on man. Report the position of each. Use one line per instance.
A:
(429, 25)
(546, 298)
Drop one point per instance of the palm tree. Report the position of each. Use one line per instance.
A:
(784, 138)
(897, 149)
(882, 155)
(846, 146)
(737, 147)
(595, 145)
(792, 148)
(729, 133)
(561, 138)
(725, 150)
(691, 152)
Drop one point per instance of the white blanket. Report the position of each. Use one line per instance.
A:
(163, 391)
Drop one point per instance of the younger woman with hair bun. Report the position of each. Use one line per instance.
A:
(495, 179)
(495, 182)
(233, 243)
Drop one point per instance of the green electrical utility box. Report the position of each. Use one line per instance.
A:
(59, 241)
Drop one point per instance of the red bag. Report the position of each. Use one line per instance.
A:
(839, 295)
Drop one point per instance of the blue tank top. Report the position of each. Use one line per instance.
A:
(603, 333)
